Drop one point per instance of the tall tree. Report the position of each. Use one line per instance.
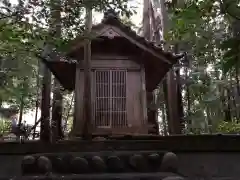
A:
(45, 134)
(172, 88)
(57, 102)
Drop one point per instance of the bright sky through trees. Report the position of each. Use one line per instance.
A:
(97, 17)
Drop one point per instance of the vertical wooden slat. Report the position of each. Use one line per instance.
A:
(119, 98)
(110, 98)
(115, 75)
(97, 101)
(114, 117)
(134, 115)
(143, 97)
(125, 104)
(102, 98)
(93, 97)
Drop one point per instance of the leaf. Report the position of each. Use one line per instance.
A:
(230, 43)
(211, 98)
(228, 64)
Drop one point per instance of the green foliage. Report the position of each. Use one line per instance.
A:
(231, 56)
(25, 27)
(229, 127)
(201, 29)
(5, 126)
(231, 7)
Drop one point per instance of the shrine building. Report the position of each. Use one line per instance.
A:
(126, 68)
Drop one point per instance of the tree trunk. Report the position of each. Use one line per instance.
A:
(231, 91)
(57, 93)
(173, 108)
(227, 109)
(174, 113)
(237, 77)
(21, 110)
(55, 32)
(45, 106)
(56, 127)
(238, 88)
(23, 95)
(209, 120)
(188, 101)
(236, 34)
(68, 113)
(146, 20)
(180, 110)
(37, 98)
(165, 92)
(164, 122)
(2, 75)
(156, 35)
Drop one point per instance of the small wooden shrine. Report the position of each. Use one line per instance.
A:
(125, 68)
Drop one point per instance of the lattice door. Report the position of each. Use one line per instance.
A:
(110, 102)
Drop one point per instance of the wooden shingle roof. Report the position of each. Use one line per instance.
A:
(111, 32)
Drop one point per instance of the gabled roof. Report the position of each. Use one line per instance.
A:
(111, 32)
(112, 27)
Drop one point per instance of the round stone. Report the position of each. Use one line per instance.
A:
(99, 138)
(67, 160)
(169, 162)
(173, 178)
(79, 165)
(44, 164)
(154, 160)
(115, 164)
(98, 164)
(58, 164)
(137, 162)
(28, 164)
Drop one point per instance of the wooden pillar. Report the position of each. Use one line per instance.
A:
(87, 79)
(45, 134)
(77, 121)
(83, 122)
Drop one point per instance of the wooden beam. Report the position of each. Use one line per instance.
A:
(83, 98)
(141, 46)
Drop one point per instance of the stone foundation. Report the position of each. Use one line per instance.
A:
(212, 157)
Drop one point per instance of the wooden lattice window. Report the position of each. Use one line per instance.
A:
(110, 102)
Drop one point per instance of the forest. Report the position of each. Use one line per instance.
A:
(205, 31)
